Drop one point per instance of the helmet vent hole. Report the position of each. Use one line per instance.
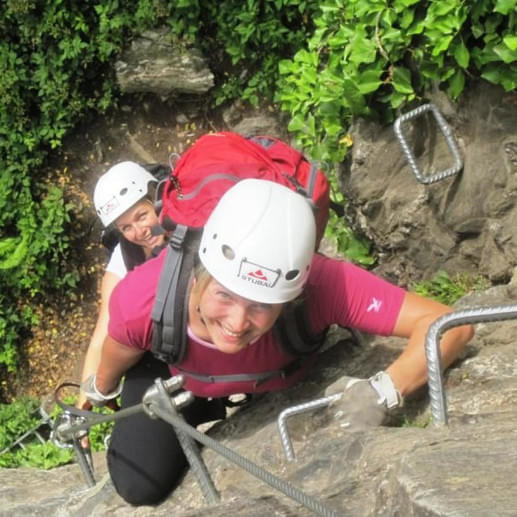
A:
(214, 236)
(228, 252)
(291, 275)
(203, 250)
(123, 192)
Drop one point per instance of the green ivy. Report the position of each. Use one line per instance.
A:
(252, 36)
(354, 248)
(23, 415)
(370, 58)
(15, 420)
(56, 62)
(448, 290)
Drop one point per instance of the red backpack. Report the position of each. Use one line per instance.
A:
(201, 176)
(218, 160)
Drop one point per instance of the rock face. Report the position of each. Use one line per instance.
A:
(153, 64)
(467, 468)
(464, 223)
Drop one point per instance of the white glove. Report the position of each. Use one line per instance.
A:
(96, 398)
(364, 402)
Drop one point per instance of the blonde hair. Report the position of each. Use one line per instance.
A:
(202, 278)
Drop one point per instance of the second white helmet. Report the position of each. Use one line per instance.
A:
(119, 189)
(259, 241)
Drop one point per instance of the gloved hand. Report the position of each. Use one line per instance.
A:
(94, 396)
(364, 402)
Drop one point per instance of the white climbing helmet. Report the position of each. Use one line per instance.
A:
(259, 241)
(119, 189)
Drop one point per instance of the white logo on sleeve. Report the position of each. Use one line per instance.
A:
(375, 305)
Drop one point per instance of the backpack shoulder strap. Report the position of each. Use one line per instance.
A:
(293, 332)
(170, 309)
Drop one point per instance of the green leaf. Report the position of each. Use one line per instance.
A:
(362, 50)
(285, 66)
(14, 255)
(352, 97)
(505, 6)
(402, 80)
(456, 84)
(297, 123)
(369, 81)
(508, 78)
(407, 17)
(477, 30)
(503, 52)
(461, 54)
(396, 99)
(442, 44)
(492, 74)
(407, 3)
(510, 42)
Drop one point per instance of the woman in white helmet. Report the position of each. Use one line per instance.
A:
(124, 203)
(257, 260)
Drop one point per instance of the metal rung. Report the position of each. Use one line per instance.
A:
(449, 138)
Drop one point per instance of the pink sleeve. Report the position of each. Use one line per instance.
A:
(130, 306)
(347, 295)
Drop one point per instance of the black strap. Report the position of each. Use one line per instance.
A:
(293, 333)
(161, 314)
(170, 309)
(259, 377)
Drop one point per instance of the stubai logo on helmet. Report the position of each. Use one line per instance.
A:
(258, 274)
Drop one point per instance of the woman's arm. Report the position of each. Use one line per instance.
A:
(409, 370)
(115, 360)
(93, 354)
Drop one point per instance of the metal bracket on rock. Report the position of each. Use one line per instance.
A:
(296, 410)
(449, 138)
(433, 354)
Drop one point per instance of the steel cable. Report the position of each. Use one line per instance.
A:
(279, 484)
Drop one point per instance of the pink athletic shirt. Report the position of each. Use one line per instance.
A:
(337, 292)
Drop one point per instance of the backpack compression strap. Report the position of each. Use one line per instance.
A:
(170, 309)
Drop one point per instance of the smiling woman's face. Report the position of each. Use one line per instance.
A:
(136, 223)
(229, 321)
